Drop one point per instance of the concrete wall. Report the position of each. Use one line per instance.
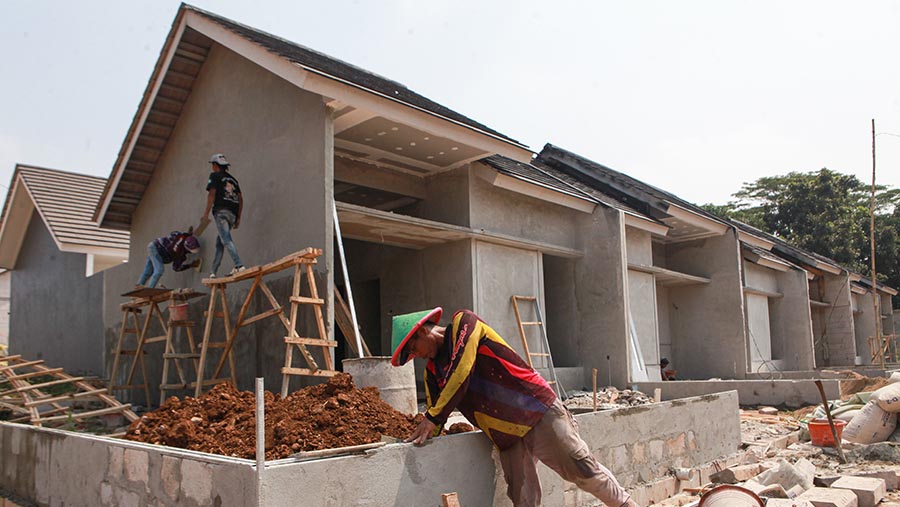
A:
(788, 393)
(562, 311)
(53, 467)
(56, 314)
(833, 329)
(863, 325)
(601, 296)
(791, 318)
(707, 320)
(279, 141)
(642, 298)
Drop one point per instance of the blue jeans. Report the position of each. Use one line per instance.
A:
(153, 267)
(224, 220)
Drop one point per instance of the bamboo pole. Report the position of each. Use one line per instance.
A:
(877, 315)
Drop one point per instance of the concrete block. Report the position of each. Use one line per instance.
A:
(825, 481)
(827, 497)
(890, 477)
(169, 475)
(196, 481)
(129, 499)
(114, 462)
(106, 494)
(137, 465)
(787, 502)
(736, 474)
(869, 490)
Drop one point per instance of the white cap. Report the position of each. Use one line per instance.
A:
(219, 159)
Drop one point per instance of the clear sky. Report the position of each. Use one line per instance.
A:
(694, 97)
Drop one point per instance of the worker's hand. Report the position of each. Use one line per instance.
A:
(422, 433)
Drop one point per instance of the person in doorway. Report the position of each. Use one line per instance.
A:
(224, 198)
(664, 370)
(173, 249)
(472, 369)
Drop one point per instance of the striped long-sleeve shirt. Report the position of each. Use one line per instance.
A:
(476, 372)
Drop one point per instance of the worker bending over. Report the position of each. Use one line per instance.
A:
(173, 249)
(472, 369)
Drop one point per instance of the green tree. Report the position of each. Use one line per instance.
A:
(825, 212)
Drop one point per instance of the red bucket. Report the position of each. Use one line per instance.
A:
(178, 312)
(820, 431)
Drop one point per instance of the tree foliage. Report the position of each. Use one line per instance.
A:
(827, 213)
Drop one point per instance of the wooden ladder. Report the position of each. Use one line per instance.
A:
(130, 312)
(295, 340)
(544, 353)
(171, 354)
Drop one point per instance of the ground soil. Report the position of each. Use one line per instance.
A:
(857, 383)
(222, 421)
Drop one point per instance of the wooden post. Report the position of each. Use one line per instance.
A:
(872, 242)
(834, 435)
(594, 376)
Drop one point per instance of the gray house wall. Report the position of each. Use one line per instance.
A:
(707, 321)
(279, 141)
(792, 321)
(56, 314)
(833, 331)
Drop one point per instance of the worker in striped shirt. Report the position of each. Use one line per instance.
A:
(470, 368)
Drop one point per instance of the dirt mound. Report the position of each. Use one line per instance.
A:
(857, 383)
(222, 421)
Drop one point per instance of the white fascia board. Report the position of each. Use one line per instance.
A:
(117, 253)
(828, 268)
(354, 95)
(854, 277)
(696, 219)
(533, 189)
(639, 222)
(773, 264)
(139, 126)
(810, 275)
(856, 289)
(756, 241)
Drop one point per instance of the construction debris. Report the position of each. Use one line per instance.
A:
(325, 416)
(607, 398)
(37, 394)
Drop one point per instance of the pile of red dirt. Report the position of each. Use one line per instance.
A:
(222, 421)
(857, 383)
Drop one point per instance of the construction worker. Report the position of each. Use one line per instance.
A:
(173, 249)
(225, 200)
(664, 370)
(472, 369)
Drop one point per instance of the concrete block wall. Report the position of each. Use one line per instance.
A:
(838, 345)
(54, 467)
(789, 393)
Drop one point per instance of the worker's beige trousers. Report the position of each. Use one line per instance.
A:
(555, 441)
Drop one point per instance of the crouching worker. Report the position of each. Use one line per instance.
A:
(472, 369)
(173, 249)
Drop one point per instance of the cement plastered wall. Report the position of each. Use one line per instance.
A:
(600, 294)
(53, 467)
(789, 393)
(642, 297)
(56, 314)
(503, 211)
(707, 320)
(279, 141)
(836, 337)
(409, 475)
(863, 324)
(791, 319)
(501, 272)
(562, 310)
(4, 307)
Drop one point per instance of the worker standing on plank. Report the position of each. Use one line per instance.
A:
(225, 200)
(472, 369)
(174, 249)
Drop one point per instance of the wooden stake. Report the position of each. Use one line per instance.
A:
(872, 242)
(834, 435)
(594, 376)
(450, 499)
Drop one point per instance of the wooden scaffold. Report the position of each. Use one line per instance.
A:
(148, 300)
(302, 263)
(24, 391)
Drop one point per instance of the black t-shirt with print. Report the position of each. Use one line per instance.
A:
(227, 191)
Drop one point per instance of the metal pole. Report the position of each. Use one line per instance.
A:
(872, 242)
(260, 436)
(340, 242)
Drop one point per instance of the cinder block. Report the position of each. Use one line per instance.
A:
(736, 474)
(889, 476)
(825, 481)
(828, 497)
(869, 490)
(787, 502)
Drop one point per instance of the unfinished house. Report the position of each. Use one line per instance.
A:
(863, 306)
(424, 221)
(776, 305)
(55, 254)
(684, 289)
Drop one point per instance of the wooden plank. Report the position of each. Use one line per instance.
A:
(308, 372)
(307, 301)
(450, 500)
(323, 453)
(82, 394)
(31, 387)
(34, 374)
(344, 321)
(85, 415)
(261, 316)
(318, 342)
(21, 365)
